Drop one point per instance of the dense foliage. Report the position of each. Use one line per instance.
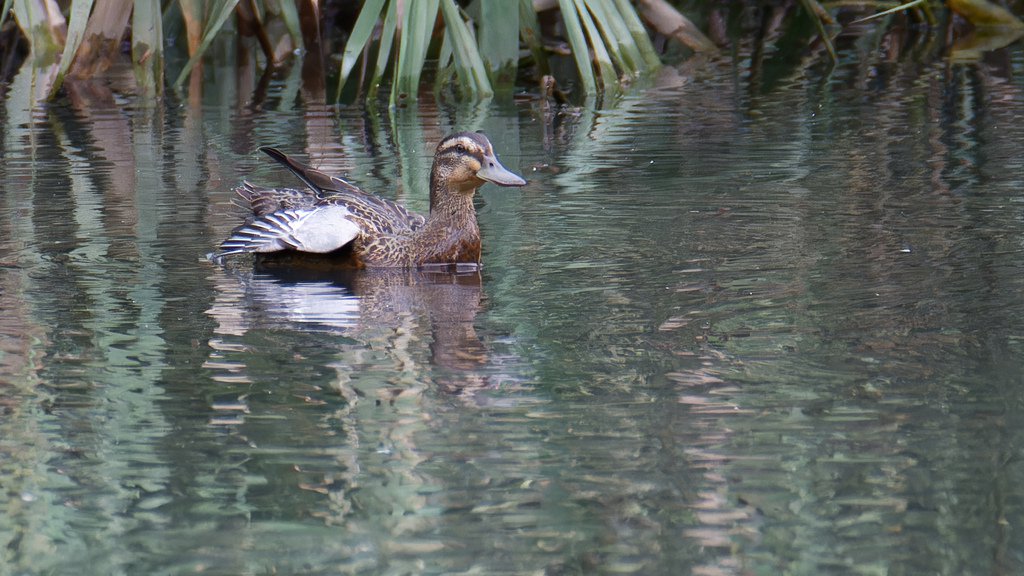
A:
(468, 51)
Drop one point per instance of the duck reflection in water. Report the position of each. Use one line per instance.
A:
(367, 304)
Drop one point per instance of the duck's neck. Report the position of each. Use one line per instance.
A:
(453, 218)
(450, 233)
(450, 204)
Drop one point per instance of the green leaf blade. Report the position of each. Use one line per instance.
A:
(221, 9)
(601, 58)
(578, 43)
(79, 17)
(640, 38)
(417, 23)
(468, 63)
(499, 41)
(362, 31)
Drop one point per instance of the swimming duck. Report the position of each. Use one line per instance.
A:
(334, 214)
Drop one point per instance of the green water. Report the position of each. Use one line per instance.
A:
(719, 332)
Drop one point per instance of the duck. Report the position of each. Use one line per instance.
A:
(333, 216)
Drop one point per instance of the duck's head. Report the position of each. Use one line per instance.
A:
(464, 161)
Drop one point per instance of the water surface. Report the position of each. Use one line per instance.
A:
(720, 331)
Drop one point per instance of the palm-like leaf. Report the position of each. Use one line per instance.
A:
(476, 54)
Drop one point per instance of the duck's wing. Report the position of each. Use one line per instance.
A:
(321, 182)
(379, 212)
(262, 200)
(377, 215)
(320, 229)
(322, 219)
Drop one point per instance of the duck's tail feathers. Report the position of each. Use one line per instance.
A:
(320, 182)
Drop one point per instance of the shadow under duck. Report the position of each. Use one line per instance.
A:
(335, 216)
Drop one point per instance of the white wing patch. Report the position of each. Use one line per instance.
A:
(320, 229)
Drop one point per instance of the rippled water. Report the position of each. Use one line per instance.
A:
(719, 332)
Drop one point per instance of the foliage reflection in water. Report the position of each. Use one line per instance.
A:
(721, 331)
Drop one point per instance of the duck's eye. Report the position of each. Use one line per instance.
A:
(460, 148)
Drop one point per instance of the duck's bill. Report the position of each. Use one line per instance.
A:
(493, 171)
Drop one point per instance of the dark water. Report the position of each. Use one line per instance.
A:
(720, 331)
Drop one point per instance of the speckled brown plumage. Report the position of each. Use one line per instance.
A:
(334, 214)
